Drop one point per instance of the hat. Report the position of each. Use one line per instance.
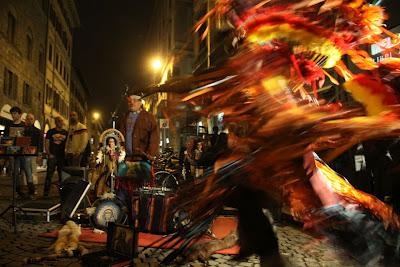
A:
(136, 94)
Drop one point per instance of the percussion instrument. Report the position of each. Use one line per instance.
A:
(108, 210)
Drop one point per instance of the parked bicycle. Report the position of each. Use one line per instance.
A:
(168, 172)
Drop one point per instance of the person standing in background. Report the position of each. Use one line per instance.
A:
(15, 129)
(77, 140)
(36, 140)
(55, 150)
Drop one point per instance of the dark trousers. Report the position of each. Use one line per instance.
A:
(52, 165)
(73, 160)
(22, 163)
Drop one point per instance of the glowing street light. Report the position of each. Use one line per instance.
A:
(96, 115)
(156, 64)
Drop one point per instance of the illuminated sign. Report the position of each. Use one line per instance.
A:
(383, 49)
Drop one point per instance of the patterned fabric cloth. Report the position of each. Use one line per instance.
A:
(130, 175)
(154, 215)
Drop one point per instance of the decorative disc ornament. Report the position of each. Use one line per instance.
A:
(111, 133)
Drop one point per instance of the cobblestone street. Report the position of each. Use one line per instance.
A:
(298, 247)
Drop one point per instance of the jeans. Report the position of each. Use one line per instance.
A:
(52, 164)
(25, 164)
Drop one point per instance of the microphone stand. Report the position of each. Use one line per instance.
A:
(114, 117)
(114, 114)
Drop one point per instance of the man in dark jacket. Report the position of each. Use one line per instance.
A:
(141, 131)
(142, 138)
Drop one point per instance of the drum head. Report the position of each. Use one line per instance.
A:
(108, 210)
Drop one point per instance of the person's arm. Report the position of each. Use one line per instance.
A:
(67, 143)
(47, 147)
(154, 138)
(83, 140)
(122, 155)
(40, 141)
(99, 157)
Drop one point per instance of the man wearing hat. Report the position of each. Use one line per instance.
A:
(142, 139)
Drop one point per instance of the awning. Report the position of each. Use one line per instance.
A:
(5, 112)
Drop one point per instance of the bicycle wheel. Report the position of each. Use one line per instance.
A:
(166, 179)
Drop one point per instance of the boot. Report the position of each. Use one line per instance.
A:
(46, 190)
(32, 190)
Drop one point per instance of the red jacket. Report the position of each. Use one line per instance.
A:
(145, 136)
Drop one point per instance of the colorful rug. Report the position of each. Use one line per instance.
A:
(221, 227)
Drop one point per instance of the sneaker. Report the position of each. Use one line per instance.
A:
(20, 196)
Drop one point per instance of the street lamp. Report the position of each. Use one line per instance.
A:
(156, 64)
(96, 116)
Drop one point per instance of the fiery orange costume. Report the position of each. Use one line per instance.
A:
(268, 93)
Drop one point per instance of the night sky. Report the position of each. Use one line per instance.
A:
(110, 48)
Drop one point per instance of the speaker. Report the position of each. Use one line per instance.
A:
(74, 172)
(72, 193)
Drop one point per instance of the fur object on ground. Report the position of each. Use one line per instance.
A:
(66, 245)
(68, 239)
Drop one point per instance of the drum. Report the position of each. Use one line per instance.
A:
(108, 210)
(155, 207)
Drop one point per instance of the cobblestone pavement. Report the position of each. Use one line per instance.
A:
(298, 247)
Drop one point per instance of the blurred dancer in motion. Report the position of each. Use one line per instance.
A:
(268, 93)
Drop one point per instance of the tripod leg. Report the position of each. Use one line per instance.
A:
(14, 204)
(5, 211)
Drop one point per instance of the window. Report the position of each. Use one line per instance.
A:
(56, 103)
(50, 53)
(183, 20)
(49, 94)
(10, 84)
(56, 61)
(41, 61)
(29, 47)
(27, 94)
(11, 27)
(61, 67)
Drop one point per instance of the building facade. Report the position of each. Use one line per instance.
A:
(172, 42)
(62, 19)
(22, 58)
(79, 92)
(36, 59)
